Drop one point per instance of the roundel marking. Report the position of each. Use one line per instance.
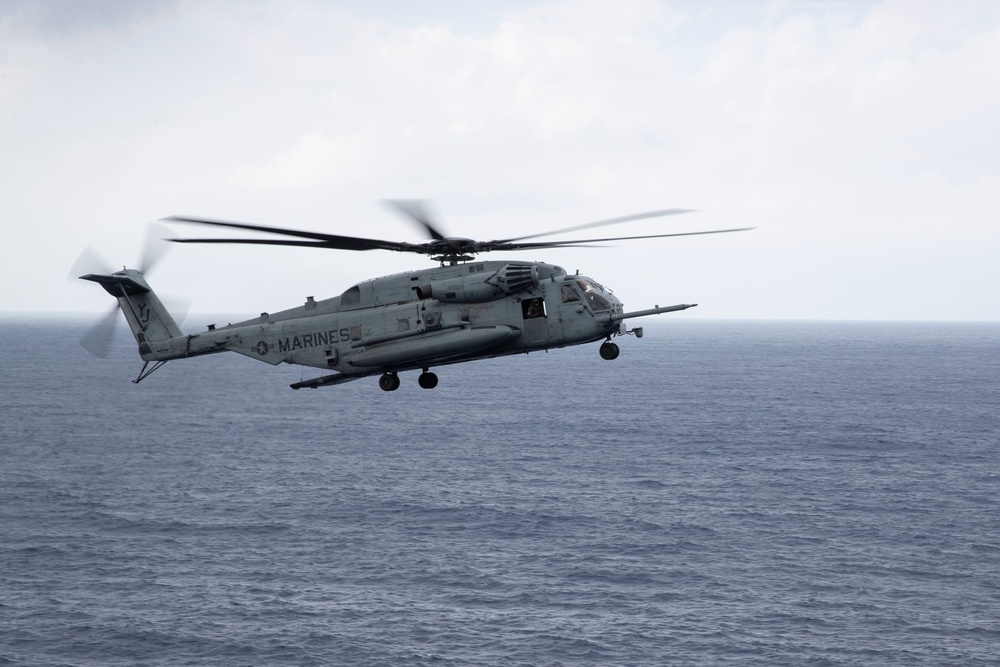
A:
(262, 348)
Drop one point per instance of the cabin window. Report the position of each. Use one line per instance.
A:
(464, 315)
(404, 324)
(356, 333)
(532, 308)
(569, 294)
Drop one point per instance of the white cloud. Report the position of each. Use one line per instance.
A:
(836, 127)
(313, 160)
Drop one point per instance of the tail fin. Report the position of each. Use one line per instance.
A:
(151, 324)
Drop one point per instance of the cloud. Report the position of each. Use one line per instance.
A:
(315, 159)
(830, 125)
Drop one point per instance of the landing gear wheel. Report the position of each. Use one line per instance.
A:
(609, 351)
(428, 380)
(388, 382)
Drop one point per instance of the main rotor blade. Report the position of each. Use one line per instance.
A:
(577, 243)
(322, 240)
(602, 223)
(177, 306)
(416, 210)
(155, 246)
(328, 245)
(447, 247)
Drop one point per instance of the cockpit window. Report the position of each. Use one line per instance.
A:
(569, 294)
(589, 285)
(591, 293)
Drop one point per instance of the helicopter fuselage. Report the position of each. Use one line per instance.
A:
(426, 318)
(413, 320)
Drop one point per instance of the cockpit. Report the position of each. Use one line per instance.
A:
(591, 292)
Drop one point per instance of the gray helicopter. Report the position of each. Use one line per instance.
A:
(461, 310)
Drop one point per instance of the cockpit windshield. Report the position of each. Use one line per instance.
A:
(591, 292)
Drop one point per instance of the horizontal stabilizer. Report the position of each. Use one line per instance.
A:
(118, 284)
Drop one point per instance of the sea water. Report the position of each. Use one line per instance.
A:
(752, 493)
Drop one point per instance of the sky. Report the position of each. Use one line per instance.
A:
(861, 139)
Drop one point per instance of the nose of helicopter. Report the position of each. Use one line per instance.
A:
(601, 306)
(617, 307)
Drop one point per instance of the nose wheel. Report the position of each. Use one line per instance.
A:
(609, 350)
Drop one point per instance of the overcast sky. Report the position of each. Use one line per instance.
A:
(861, 138)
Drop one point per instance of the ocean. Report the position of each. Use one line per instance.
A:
(725, 492)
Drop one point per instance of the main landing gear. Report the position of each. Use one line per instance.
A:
(427, 380)
(390, 381)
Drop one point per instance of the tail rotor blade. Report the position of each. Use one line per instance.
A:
(89, 261)
(100, 336)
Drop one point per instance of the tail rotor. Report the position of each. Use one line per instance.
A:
(99, 338)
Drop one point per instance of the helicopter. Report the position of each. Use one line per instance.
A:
(462, 310)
